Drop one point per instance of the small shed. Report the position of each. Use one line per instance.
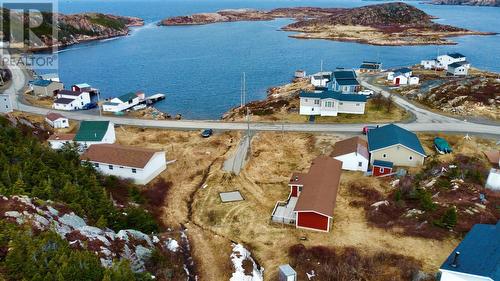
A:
(382, 168)
(56, 120)
(300, 73)
(286, 273)
(493, 180)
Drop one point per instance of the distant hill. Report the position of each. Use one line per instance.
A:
(71, 29)
(494, 3)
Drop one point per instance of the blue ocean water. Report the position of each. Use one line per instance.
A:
(199, 67)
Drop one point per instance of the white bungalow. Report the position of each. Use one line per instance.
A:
(139, 164)
(330, 103)
(444, 61)
(71, 100)
(458, 68)
(353, 153)
(95, 132)
(123, 102)
(56, 120)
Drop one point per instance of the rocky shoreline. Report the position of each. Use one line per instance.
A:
(388, 24)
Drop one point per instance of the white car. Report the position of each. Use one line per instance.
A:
(366, 92)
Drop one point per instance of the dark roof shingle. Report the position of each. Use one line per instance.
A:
(119, 155)
(390, 135)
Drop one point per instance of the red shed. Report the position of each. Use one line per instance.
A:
(382, 168)
(317, 193)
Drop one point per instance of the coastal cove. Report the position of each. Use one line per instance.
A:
(199, 67)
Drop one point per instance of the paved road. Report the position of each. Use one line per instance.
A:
(425, 120)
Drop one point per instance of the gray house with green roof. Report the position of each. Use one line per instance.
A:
(123, 102)
(94, 132)
(396, 145)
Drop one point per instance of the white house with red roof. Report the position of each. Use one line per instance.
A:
(56, 120)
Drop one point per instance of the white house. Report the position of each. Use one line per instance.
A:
(71, 100)
(139, 164)
(444, 61)
(95, 132)
(321, 79)
(429, 64)
(353, 153)
(402, 76)
(414, 80)
(57, 141)
(476, 258)
(330, 103)
(458, 68)
(123, 102)
(56, 120)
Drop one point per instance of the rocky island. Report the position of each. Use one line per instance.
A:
(390, 24)
(494, 3)
(71, 29)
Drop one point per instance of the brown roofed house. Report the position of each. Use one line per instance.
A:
(56, 120)
(493, 157)
(353, 153)
(312, 197)
(139, 164)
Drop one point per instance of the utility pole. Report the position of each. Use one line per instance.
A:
(99, 102)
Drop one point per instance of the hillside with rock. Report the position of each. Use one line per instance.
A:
(70, 29)
(393, 24)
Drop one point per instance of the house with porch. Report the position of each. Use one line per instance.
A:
(46, 88)
(95, 132)
(330, 103)
(312, 196)
(394, 144)
(123, 102)
(71, 100)
(56, 120)
(141, 165)
(353, 153)
(476, 258)
(345, 81)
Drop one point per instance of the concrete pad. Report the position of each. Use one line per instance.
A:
(231, 196)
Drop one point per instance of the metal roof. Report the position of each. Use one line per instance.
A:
(334, 95)
(458, 64)
(346, 82)
(287, 270)
(385, 164)
(41, 83)
(456, 55)
(92, 130)
(479, 252)
(127, 97)
(390, 135)
(82, 85)
(63, 101)
(344, 74)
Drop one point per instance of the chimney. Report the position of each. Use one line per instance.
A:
(454, 263)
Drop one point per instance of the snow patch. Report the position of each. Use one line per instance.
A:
(239, 255)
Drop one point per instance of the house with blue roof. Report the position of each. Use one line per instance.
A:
(45, 88)
(345, 81)
(331, 103)
(476, 258)
(391, 143)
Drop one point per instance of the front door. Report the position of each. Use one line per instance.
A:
(294, 191)
(397, 81)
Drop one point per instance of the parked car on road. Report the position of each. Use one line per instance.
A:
(89, 106)
(366, 92)
(207, 133)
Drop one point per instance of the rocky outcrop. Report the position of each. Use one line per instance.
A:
(494, 3)
(108, 245)
(59, 30)
(393, 23)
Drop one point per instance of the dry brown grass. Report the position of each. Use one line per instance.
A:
(40, 119)
(264, 181)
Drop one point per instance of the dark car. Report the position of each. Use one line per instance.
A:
(89, 106)
(207, 133)
(367, 128)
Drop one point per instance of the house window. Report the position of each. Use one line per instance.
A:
(360, 164)
(411, 158)
(134, 171)
(382, 170)
(307, 100)
(384, 155)
(111, 167)
(357, 104)
(96, 165)
(316, 102)
(341, 103)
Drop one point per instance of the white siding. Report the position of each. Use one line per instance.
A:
(5, 103)
(353, 162)
(58, 144)
(153, 168)
(351, 107)
(457, 276)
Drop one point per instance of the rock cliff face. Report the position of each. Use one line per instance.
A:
(393, 23)
(70, 29)
(494, 3)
